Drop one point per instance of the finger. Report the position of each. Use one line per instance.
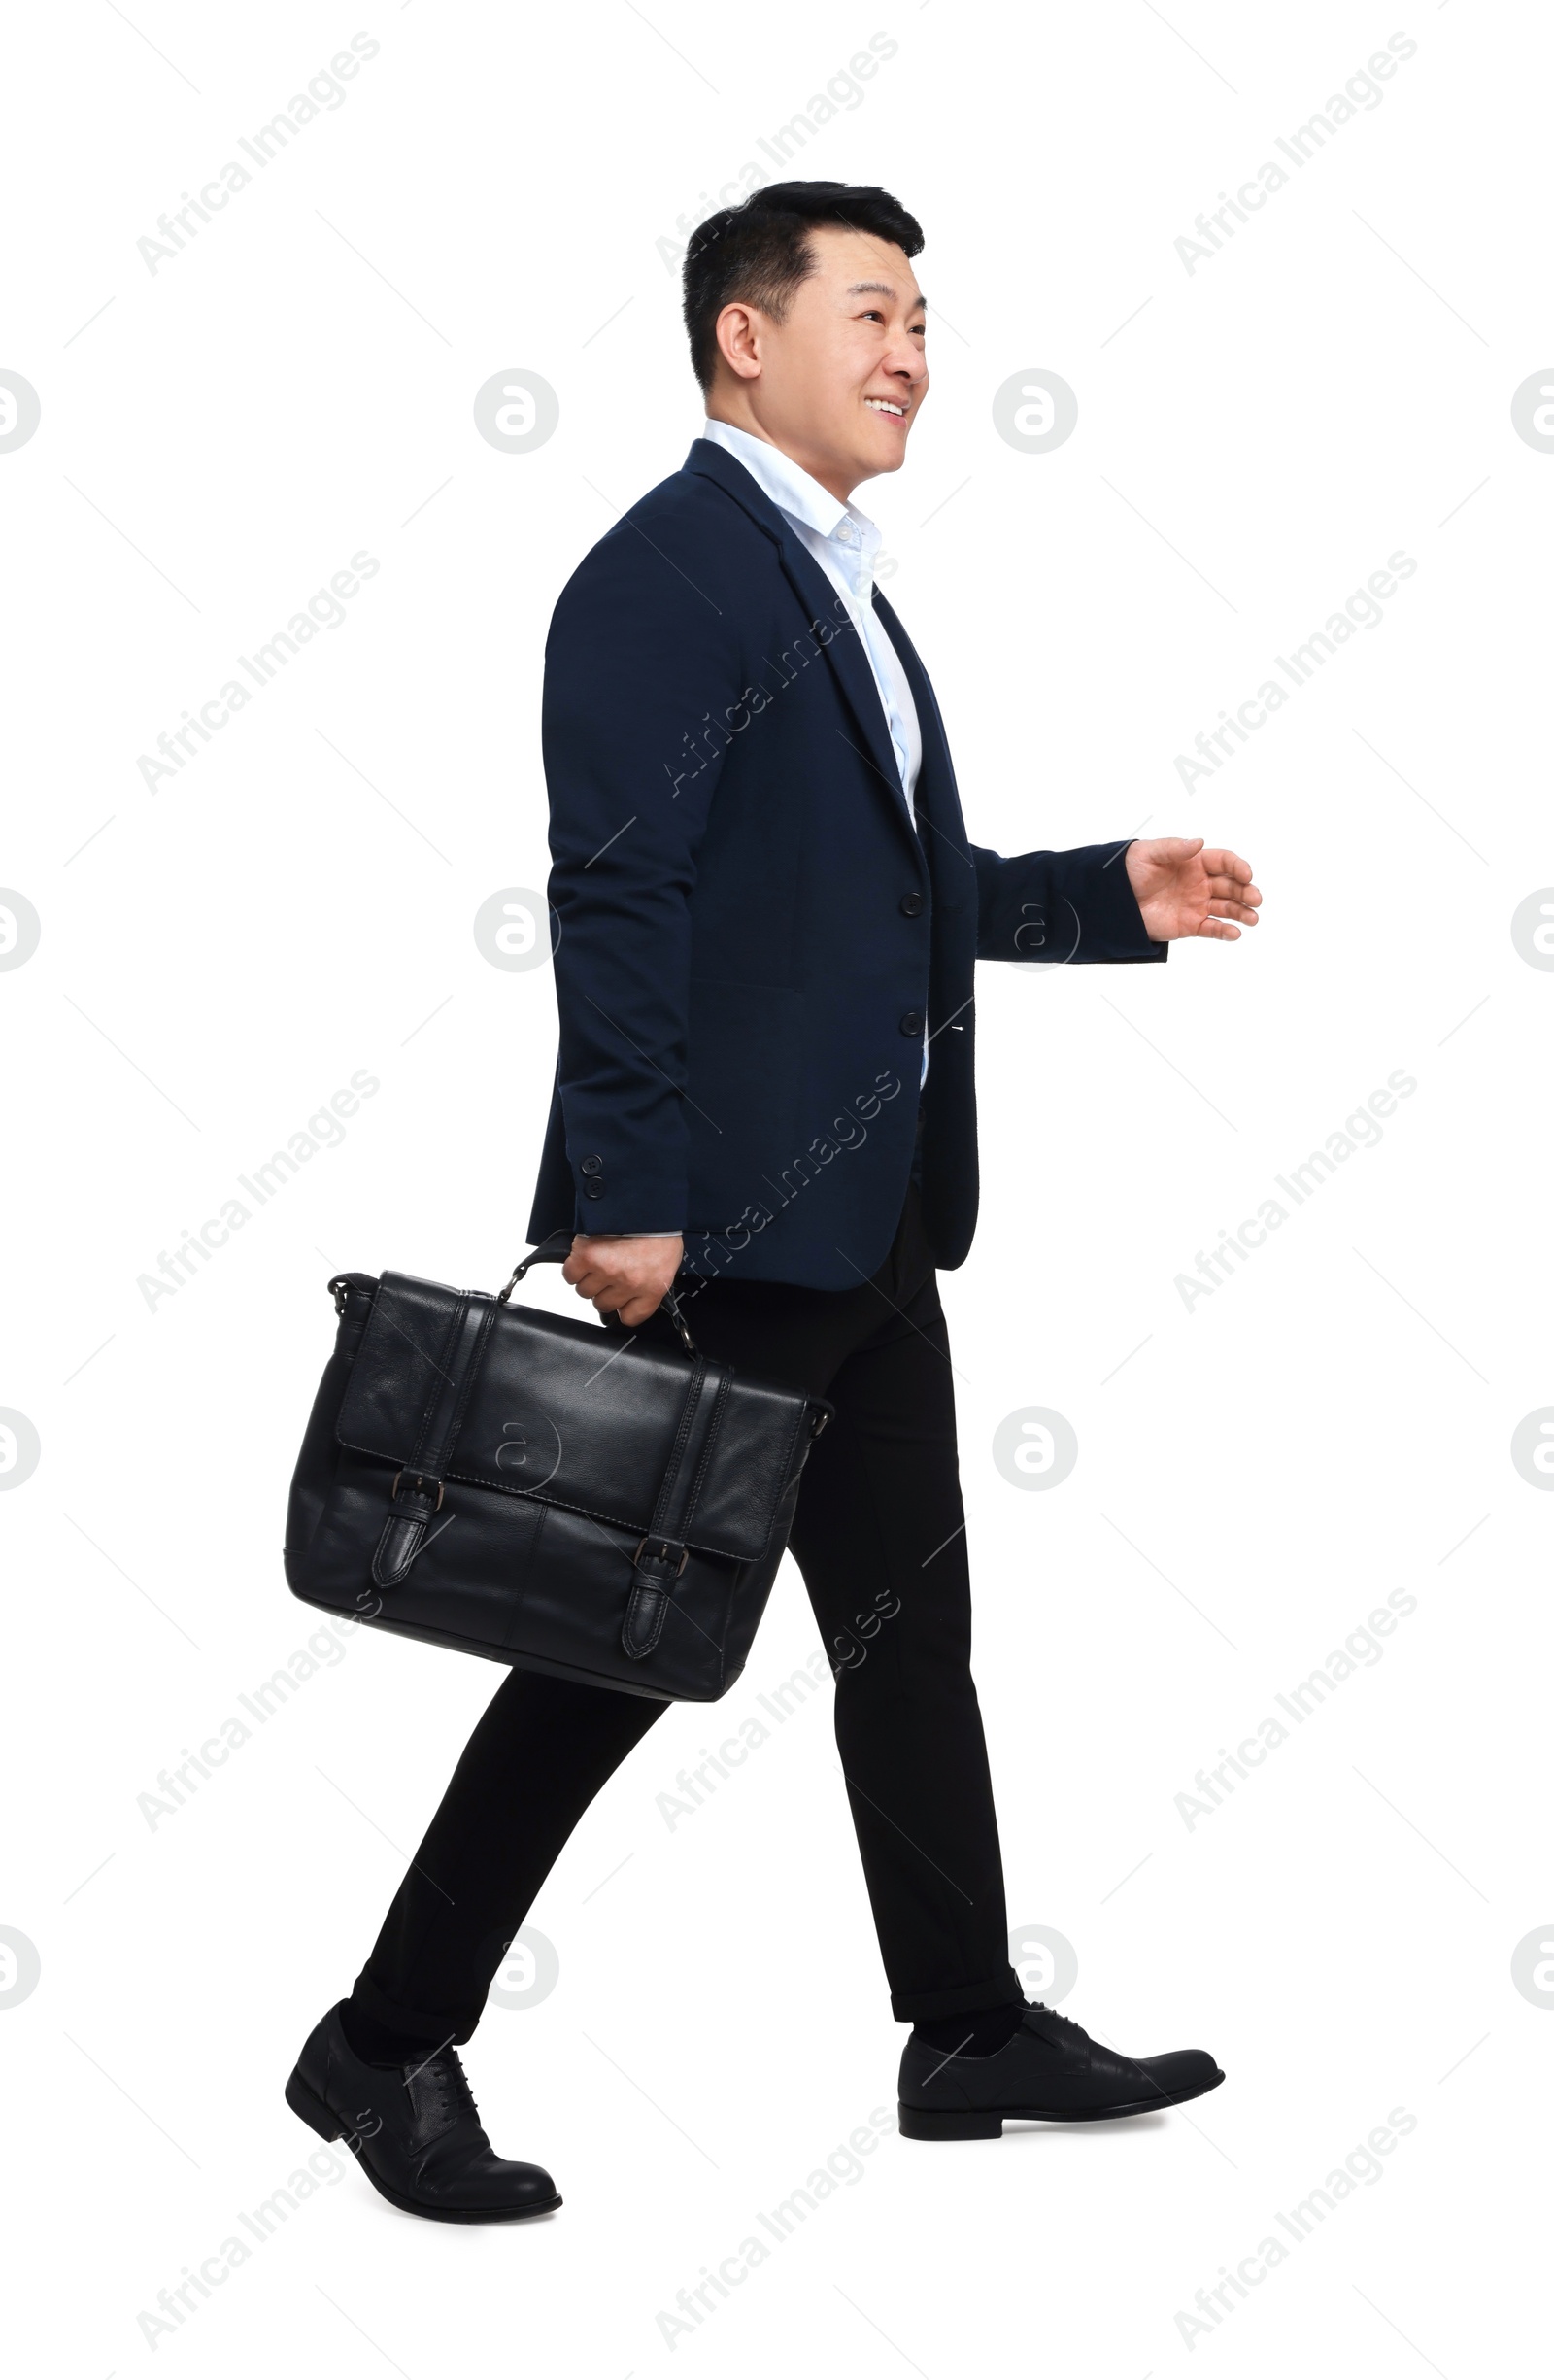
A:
(1230, 888)
(1228, 864)
(596, 1282)
(637, 1310)
(1212, 931)
(1233, 908)
(586, 1261)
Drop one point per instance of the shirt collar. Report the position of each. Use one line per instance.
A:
(791, 489)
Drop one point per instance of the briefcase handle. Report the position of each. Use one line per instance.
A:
(546, 1254)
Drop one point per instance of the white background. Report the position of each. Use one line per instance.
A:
(1255, 1475)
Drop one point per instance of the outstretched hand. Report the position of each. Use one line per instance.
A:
(1183, 890)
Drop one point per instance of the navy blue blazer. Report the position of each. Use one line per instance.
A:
(749, 930)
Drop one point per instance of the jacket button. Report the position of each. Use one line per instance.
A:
(911, 904)
(593, 1189)
(912, 1024)
(594, 1165)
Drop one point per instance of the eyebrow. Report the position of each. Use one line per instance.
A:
(883, 289)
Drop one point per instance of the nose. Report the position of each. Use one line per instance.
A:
(907, 363)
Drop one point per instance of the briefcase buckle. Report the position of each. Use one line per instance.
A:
(664, 1551)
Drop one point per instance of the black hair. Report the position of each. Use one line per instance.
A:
(760, 250)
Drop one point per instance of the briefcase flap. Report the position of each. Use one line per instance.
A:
(571, 1414)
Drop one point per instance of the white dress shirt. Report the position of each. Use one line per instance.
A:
(844, 542)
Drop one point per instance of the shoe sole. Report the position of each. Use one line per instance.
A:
(976, 2123)
(311, 2108)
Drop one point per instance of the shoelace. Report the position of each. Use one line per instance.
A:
(1058, 2018)
(452, 2084)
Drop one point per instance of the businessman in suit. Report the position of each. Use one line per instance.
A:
(769, 917)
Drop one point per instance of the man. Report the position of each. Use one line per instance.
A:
(768, 919)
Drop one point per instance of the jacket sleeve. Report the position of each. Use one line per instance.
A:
(641, 680)
(1060, 907)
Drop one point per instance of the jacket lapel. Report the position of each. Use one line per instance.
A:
(937, 801)
(844, 648)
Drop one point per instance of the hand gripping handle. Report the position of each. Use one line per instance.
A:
(547, 1254)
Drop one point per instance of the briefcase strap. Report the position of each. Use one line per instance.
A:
(661, 1555)
(404, 1533)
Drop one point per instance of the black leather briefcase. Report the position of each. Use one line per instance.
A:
(543, 1492)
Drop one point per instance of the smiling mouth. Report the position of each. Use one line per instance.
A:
(887, 405)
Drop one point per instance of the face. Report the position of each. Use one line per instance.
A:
(839, 383)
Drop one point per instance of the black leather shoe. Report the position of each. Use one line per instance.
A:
(415, 2132)
(1051, 2072)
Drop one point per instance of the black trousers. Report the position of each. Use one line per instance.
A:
(879, 1540)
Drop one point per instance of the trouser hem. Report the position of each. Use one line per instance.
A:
(416, 2024)
(922, 2007)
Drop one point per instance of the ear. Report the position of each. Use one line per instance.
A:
(738, 335)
